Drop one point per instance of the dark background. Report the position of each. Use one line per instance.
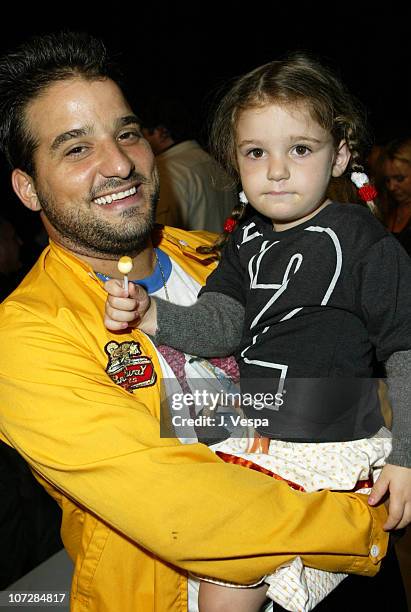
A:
(192, 50)
(189, 52)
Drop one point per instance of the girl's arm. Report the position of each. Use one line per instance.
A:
(398, 368)
(211, 327)
(395, 478)
(383, 279)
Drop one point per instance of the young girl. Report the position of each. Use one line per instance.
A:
(321, 293)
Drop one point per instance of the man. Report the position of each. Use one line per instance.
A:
(82, 404)
(195, 192)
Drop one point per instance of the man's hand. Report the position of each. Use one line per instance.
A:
(394, 481)
(132, 310)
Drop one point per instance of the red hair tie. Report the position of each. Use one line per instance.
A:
(366, 191)
(229, 225)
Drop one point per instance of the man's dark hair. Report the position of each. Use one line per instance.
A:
(29, 70)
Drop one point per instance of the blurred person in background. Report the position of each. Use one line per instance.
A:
(195, 192)
(394, 180)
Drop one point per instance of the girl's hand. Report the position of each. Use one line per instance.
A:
(134, 310)
(396, 482)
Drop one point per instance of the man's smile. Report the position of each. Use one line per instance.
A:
(119, 195)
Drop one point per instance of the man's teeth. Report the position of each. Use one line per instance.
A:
(116, 196)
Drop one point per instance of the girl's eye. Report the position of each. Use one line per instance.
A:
(301, 150)
(255, 153)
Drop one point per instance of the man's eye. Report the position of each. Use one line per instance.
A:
(301, 150)
(255, 153)
(75, 151)
(130, 135)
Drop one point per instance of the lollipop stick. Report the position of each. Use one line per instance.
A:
(125, 285)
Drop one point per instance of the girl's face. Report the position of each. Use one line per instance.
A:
(286, 160)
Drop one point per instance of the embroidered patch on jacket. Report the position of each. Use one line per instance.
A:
(127, 367)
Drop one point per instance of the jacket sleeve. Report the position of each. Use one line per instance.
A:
(101, 447)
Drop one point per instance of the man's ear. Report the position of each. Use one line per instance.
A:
(342, 157)
(24, 188)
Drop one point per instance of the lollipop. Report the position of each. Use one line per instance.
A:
(125, 265)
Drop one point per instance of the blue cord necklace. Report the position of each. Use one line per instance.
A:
(156, 280)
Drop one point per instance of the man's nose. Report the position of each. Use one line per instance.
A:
(115, 161)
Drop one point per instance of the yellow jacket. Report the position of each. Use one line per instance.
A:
(139, 511)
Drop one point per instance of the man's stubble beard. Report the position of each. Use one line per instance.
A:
(81, 232)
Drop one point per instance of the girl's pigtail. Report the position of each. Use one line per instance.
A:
(230, 224)
(366, 191)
